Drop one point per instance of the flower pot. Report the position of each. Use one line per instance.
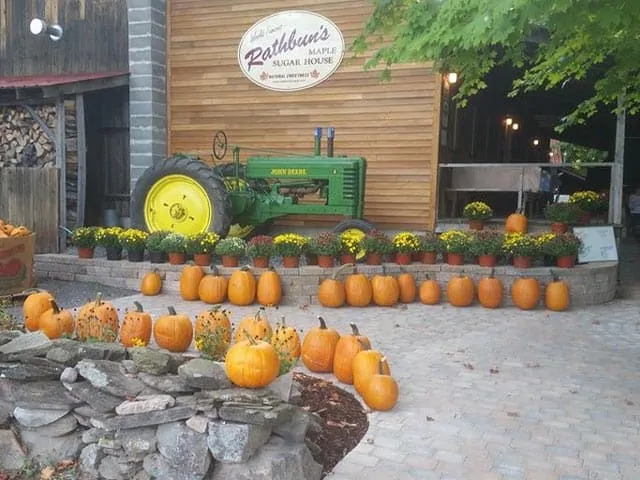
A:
(229, 261)
(476, 224)
(522, 262)
(177, 258)
(85, 252)
(135, 255)
(429, 258)
(455, 258)
(403, 258)
(487, 260)
(312, 258)
(373, 258)
(325, 261)
(202, 259)
(114, 253)
(584, 218)
(291, 262)
(157, 257)
(347, 258)
(261, 262)
(566, 261)
(559, 227)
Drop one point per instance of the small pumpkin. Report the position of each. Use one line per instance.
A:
(190, 282)
(358, 290)
(242, 287)
(490, 291)
(556, 294)
(213, 287)
(286, 340)
(365, 365)
(34, 306)
(381, 391)
(408, 287)
(136, 327)
(252, 363)
(460, 291)
(213, 331)
(385, 289)
(173, 332)
(331, 292)
(525, 293)
(98, 320)
(257, 326)
(516, 223)
(269, 289)
(319, 347)
(151, 283)
(346, 349)
(430, 291)
(20, 231)
(56, 321)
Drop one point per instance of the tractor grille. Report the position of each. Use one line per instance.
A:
(350, 183)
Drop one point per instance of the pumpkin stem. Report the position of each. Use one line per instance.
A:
(337, 271)
(554, 276)
(98, 299)
(363, 344)
(249, 337)
(32, 290)
(172, 311)
(284, 323)
(461, 273)
(381, 363)
(138, 306)
(54, 306)
(492, 273)
(323, 324)
(426, 276)
(245, 268)
(215, 308)
(354, 329)
(214, 270)
(260, 313)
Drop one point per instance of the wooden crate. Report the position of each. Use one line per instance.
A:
(16, 264)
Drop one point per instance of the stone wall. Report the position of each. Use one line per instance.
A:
(590, 284)
(145, 413)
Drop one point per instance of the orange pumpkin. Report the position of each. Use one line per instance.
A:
(381, 391)
(173, 332)
(136, 327)
(286, 341)
(151, 283)
(460, 291)
(358, 290)
(516, 223)
(56, 321)
(213, 331)
(331, 292)
(269, 289)
(257, 326)
(190, 282)
(252, 363)
(490, 291)
(525, 293)
(242, 287)
(98, 320)
(319, 348)
(346, 349)
(213, 287)
(556, 294)
(430, 291)
(20, 231)
(385, 289)
(365, 365)
(34, 306)
(408, 287)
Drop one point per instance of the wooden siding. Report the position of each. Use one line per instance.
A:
(95, 37)
(393, 124)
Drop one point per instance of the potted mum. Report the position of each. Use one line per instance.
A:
(109, 238)
(201, 246)
(455, 244)
(290, 246)
(561, 215)
(84, 238)
(564, 247)
(377, 245)
(486, 245)
(154, 247)
(405, 244)
(231, 249)
(134, 241)
(477, 213)
(588, 202)
(174, 245)
(260, 249)
(350, 246)
(326, 246)
(430, 245)
(522, 248)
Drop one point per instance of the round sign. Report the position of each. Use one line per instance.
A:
(291, 50)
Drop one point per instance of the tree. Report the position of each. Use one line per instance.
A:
(549, 41)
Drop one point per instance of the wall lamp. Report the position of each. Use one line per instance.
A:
(452, 77)
(39, 27)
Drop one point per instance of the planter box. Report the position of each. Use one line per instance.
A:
(16, 264)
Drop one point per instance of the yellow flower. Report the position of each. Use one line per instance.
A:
(406, 242)
(138, 342)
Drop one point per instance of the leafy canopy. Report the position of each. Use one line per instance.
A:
(549, 41)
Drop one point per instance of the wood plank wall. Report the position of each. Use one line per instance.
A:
(394, 125)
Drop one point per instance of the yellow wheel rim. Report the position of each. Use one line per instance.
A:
(359, 234)
(178, 203)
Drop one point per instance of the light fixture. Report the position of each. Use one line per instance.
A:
(550, 154)
(536, 142)
(452, 77)
(38, 27)
(516, 126)
(508, 121)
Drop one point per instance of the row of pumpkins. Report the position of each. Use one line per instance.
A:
(252, 361)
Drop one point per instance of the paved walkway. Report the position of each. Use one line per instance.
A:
(501, 394)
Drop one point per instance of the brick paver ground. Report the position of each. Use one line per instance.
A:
(501, 394)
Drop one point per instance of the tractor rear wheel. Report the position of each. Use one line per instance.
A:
(357, 227)
(181, 194)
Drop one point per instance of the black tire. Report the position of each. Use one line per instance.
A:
(356, 223)
(189, 166)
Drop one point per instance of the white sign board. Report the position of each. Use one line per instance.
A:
(599, 244)
(291, 50)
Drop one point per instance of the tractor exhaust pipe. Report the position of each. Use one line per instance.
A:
(331, 134)
(317, 143)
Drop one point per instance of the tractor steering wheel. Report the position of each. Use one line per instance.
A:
(219, 145)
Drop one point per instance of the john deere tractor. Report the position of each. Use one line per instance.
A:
(183, 194)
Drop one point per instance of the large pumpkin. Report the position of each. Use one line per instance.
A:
(460, 291)
(490, 291)
(381, 391)
(385, 289)
(319, 348)
(151, 283)
(213, 287)
(346, 349)
(136, 327)
(252, 363)
(286, 341)
(269, 289)
(408, 287)
(525, 293)
(556, 294)
(34, 306)
(516, 223)
(257, 326)
(173, 332)
(56, 321)
(190, 282)
(242, 287)
(98, 320)
(430, 291)
(365, 364)
(358, 290)
(331, 292)
(213, 331)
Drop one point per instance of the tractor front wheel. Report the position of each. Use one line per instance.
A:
(357, 227)
(181, 194)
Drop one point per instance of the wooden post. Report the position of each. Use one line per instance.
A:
(82, 159)
(61, 163)
(617, 171)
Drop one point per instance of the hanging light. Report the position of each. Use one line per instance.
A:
(39, 27)
(536, 142)
(508, 121)
(516, 126)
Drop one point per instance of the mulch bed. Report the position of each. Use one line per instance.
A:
(345, 421)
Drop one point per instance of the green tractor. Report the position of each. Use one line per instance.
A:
(185, 195)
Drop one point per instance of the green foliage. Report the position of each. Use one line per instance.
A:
(552, 41)
(8, 322)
